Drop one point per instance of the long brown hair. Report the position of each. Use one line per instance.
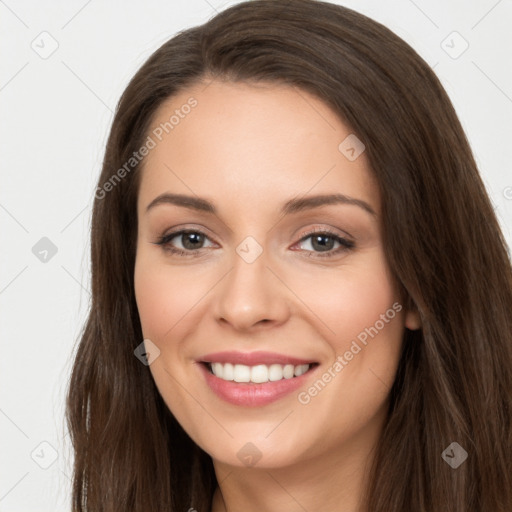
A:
(442, 241)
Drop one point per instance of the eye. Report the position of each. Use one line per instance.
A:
(323, 240)
(191, 242)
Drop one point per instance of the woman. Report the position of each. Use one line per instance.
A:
(301, 294)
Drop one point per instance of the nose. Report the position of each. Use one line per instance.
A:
(252, 295)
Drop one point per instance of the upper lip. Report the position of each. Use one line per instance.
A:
(253, 358)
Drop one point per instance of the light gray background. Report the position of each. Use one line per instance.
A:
(56, 113)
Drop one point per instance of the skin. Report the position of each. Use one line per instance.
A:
(248, 149)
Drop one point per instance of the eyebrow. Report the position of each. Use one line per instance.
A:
(291, 206)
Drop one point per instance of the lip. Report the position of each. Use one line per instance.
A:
(252, 358)
(250, 394)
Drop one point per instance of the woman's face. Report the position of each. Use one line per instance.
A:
(252, 289)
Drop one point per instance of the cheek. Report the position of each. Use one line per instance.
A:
(365, 300)
(351, 299)
(363, 322)
(352, 389)
(164, 296)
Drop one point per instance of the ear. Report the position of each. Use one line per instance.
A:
(412, 320)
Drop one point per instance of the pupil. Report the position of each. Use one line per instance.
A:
(195, 237)
(322, 245)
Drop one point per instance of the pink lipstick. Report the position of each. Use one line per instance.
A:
(254, 379)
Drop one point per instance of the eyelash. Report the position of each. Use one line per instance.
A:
(346, 245)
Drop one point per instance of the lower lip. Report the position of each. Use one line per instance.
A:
(251, 394)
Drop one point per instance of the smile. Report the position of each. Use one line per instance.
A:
(254, 379)
(257, 374)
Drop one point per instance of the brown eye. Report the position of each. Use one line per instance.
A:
(323, 241)
(191, 242)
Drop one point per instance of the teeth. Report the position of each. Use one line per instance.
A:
(241, 373)
(259, 373)
(275, 372)
(301, 369)
(228, 371)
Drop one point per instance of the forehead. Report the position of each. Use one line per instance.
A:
(252, 142)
